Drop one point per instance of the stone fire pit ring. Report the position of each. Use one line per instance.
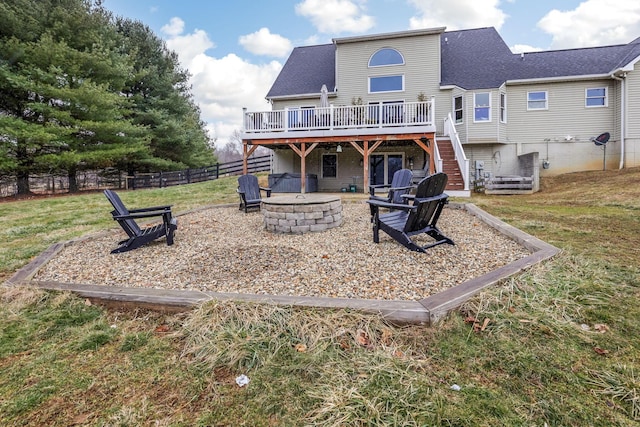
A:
(301, 213)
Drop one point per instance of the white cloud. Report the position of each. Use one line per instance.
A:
(521, 48)
(221, 87)
(262, 42)
(190, 45)
(457, 14)
(174, 27)
(336, 16)
(593, 23)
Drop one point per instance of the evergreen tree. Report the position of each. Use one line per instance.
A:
(160, 90)
(62, 109)
(81, 91)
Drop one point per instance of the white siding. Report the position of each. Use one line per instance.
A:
(421, 69)
(632, 123)
(566, 113)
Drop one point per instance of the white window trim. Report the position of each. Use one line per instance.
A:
(475, 105)
(606, 97)
(503, 108)
(546, 100)
(386, 91)
(385, 65)
(461, 109)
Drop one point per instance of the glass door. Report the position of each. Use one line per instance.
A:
(382, 168)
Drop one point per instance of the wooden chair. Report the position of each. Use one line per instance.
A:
(249, 191)
(400, 186)
(138, 236)
(420, 217)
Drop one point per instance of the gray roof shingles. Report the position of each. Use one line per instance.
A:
(306, 70)
(471, 59)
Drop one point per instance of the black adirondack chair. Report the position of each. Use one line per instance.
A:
(140, 236)
(400, 186)
(405, 220)
(249, 191)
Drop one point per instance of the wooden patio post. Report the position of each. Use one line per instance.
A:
(302, 152)
(365, 166)
(245, 167)
(427, 145)
(303, 168)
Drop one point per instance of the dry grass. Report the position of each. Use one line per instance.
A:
(559, 346)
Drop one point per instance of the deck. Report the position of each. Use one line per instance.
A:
(340, 121)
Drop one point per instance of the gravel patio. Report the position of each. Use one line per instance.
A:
(221, 249)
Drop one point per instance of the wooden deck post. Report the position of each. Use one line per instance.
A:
(427, 145)
(302, 152)
(246, 152)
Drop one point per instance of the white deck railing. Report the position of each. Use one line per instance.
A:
(369, 116)
(461, 157)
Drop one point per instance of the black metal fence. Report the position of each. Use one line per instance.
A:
(95, 180)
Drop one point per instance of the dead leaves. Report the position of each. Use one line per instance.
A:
(600, 351)
(477, 326)
(162, 329)
(369, 340)
(362, 338)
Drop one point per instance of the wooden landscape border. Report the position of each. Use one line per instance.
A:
(426, 311)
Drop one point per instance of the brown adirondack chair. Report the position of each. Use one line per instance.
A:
(140, 236)
(249, 191)
(407, 220)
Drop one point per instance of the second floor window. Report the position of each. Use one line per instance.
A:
(482, 107)
(596, 97)
(386, 56)
(537, 100)
(386, 84)
(457, 109)
(503, 107)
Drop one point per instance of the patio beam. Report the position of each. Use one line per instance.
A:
(427, 145)
(246, 152)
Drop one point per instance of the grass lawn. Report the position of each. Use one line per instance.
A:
(561, 345)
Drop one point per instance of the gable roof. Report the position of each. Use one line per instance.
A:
(306, 70)
(474, 59)
(471, 59)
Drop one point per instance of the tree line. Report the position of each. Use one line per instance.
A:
(82, 89)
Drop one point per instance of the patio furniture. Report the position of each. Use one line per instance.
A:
(139, 236)
(249, 191)
(421, 217)
(400, 185)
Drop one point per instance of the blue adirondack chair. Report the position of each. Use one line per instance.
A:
(249, 191)
(399, 187)
(405, 221)
(140, 236)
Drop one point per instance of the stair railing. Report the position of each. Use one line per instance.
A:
(463, 162)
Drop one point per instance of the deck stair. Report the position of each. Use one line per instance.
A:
(509, 184)
(450, 165)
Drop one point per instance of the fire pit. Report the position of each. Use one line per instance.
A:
(301, 213)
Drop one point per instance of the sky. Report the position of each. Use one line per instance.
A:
(234, 49)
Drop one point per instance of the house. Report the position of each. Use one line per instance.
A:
(349, 113)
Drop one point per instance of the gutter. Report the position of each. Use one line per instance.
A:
(623, 116)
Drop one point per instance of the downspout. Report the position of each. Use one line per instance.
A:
(623, 116)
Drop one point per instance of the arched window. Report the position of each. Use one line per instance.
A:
(386, 56)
